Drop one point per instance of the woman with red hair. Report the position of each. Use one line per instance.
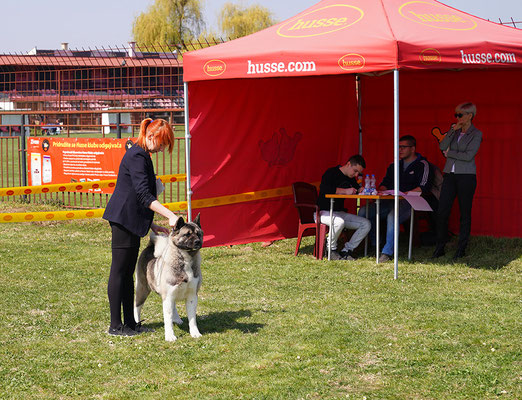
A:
(130, 212)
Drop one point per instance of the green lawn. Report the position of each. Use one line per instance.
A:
(274, 326)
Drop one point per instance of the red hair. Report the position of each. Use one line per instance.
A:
(161, 131)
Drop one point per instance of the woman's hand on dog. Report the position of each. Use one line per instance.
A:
(159, 208)
(173, 220)
(157, 229)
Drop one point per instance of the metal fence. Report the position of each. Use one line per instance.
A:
(13, 173)
(511, 22)
(100, 92)
(10, 161)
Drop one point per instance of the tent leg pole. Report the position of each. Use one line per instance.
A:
(359, 103)
(410, 242)
(396, 171)
(359, 110)
(187, 152)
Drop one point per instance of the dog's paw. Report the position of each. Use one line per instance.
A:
(195, 334)
(178, 321)
(171, 338)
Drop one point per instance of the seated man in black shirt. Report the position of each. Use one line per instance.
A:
(343, 180)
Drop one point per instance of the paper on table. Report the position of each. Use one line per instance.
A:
(414, 198)
(392, 192)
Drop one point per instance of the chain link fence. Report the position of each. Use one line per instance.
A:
(91, 93)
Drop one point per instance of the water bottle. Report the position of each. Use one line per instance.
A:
(367, 187)
(372, 185)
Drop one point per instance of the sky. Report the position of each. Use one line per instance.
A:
(45, 24)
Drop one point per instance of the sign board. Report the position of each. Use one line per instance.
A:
(64, 160)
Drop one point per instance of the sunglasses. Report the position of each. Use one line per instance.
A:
(459, 115)
(404, 147)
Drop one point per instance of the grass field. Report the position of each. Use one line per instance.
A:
(274, 326)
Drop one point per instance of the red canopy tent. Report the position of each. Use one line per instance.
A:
(279, 106)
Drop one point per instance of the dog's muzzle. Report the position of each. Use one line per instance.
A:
(195, 246)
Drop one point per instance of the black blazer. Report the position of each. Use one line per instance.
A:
(135, 191)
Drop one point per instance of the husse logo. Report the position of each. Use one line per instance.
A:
(214, 67)
(322, 21)
(430, 56)
(436, 16)
(351, 61)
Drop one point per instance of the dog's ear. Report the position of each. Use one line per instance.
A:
(196, 221)
(180, 223)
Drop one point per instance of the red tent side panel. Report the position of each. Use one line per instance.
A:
(428, 100)
(251, 135)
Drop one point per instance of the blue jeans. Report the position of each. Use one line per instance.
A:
(386, 210)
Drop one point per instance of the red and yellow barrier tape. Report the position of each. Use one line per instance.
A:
(242, 197)
(177, 206)
(75, 186)
(50, 215)
(69, 215)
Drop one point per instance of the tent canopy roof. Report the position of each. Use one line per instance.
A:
(362, 36)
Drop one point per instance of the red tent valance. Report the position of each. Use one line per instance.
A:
(347, 36)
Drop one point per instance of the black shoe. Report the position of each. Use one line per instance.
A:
(347, 255)
(123, 330)
(459, 254)
(439, 252)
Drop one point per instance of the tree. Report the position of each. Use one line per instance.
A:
(168, 22)
(236, 21)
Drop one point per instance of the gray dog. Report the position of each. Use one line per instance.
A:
(171, 266)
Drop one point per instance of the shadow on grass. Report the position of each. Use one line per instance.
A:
(483, 253)
(308, 249)
(219, 322)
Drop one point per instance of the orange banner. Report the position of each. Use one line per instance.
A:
(59, 160)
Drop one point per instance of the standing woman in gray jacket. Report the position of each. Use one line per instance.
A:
(460, 145)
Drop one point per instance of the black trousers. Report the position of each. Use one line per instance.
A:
(120, 289)
(463, 187)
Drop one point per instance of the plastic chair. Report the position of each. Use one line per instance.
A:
(305, 200)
